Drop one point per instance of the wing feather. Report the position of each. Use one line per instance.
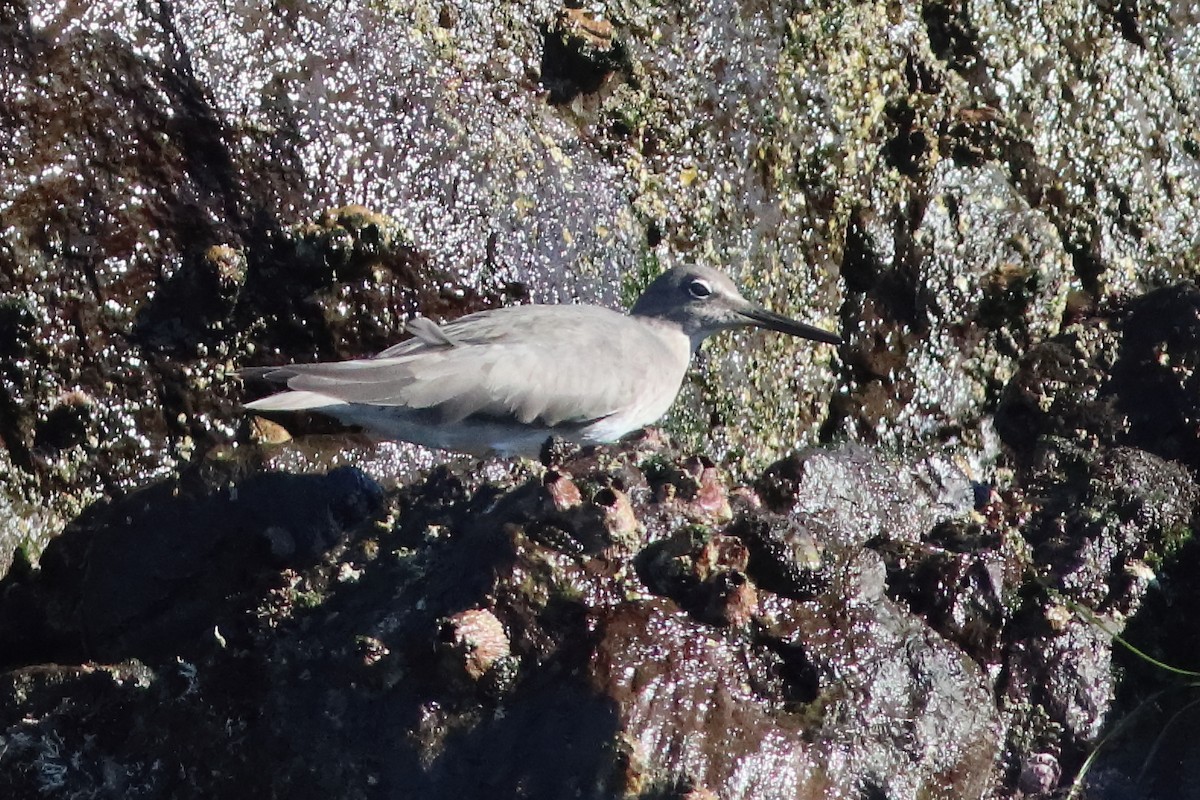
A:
(568, 366)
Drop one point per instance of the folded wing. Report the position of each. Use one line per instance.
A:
(570, 365)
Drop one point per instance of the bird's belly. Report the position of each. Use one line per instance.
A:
(638, 414)
(485, 435)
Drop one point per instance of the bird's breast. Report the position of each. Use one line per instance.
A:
(652, 365)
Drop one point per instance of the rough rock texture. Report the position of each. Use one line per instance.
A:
(455, 648)
(995, 203)
(982, 277)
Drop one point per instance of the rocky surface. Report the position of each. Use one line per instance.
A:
(893, 570)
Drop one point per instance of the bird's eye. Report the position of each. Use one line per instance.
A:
(699, 289)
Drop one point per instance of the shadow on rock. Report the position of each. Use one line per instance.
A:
(1156, 719)
(505, 639)
(1156, 377)
(1129, 381)
(145, 576)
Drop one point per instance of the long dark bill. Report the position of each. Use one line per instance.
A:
(760, 317)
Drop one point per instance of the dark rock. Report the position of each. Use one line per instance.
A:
(964, 596)
(786, 554)
(1100, 512)
(857, 495)
(580, 52)
(474, 642)
(952, 291)
(146, 576)
(193, 311)
(464, 653)
(705, 573)
(947, 183)
(1040, 774)
(1099, 519)
(1061, 389)
(1149, 753)
(1134, 385)
(1156, 377)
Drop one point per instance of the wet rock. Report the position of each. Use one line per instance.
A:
(965, 596)
(946, 312)
(66, 750)
(580, 53)
(719, 699)
(1156, 377)
(1148, 752)
(1097, 518)
(720, 677)
(562, 647)
(735, 601)
(1040, 774)
(1102, 512)
(704, 573)
(959, 576)
(1122, 232)
(1129, 382)
(146, 576)
(1070, 675)
(785, 553)
(932, 179)
(712, 683)
(193, 311)
(342, 286)
(473, 642)
(856, 495)
(1061, 388)
(137, 187)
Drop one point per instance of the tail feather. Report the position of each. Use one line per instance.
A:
(294, 401)
(274, 374)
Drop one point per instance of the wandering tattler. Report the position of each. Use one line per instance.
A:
(503, 381)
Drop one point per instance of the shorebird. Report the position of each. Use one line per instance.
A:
(503, 381)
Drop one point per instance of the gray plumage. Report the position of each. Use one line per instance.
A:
(503, 381)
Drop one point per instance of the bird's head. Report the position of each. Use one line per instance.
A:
(703, 301)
